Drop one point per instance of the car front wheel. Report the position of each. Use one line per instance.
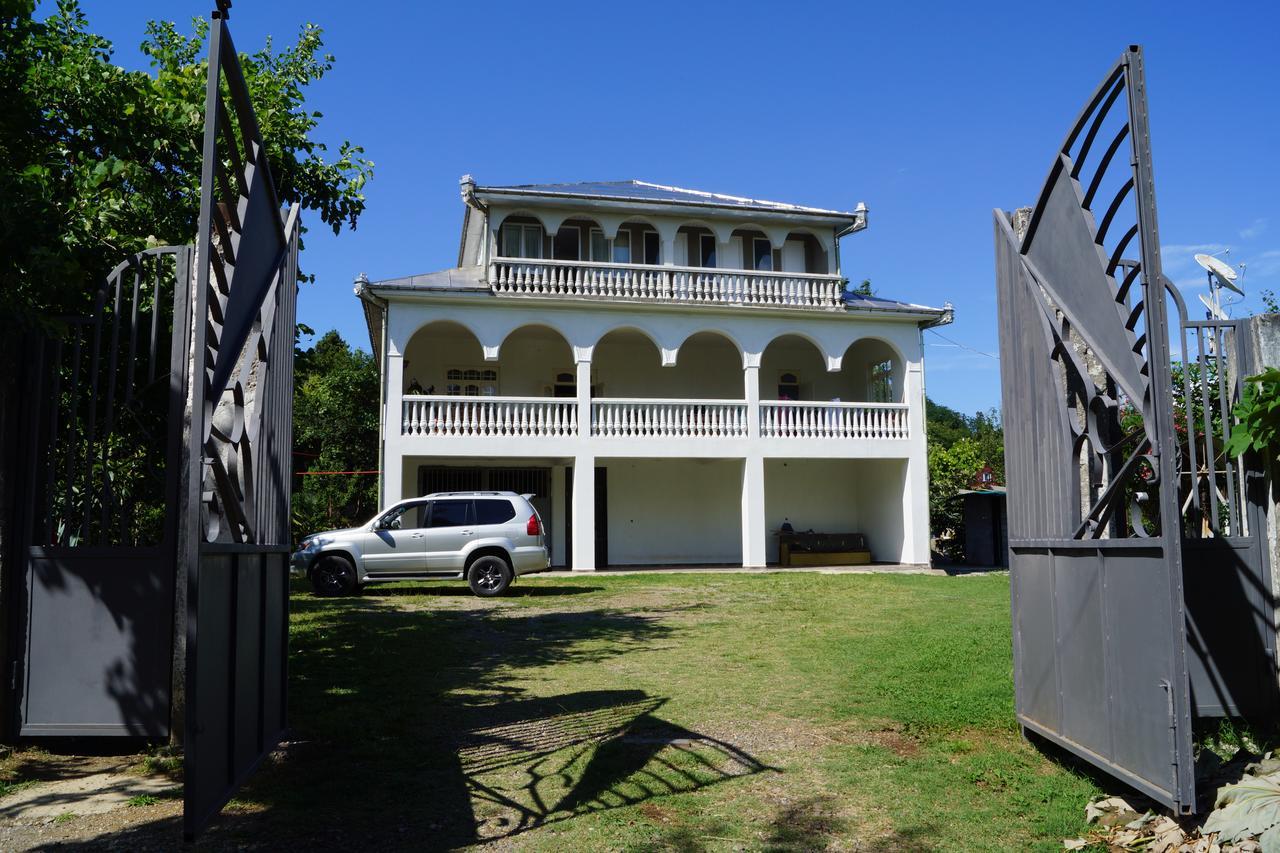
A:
(489, 576)
(333, 574)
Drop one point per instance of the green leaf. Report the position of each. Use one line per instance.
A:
(1246, 809)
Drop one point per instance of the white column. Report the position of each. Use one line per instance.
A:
(754, 531)
(915, 493)
(751, 380)
(584, 394)
(557, 515)
(392, 421)
(584, 512)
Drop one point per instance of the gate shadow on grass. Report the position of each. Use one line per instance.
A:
(425, 728)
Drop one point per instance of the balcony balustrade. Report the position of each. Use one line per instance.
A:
(794, 419)
(648, 283)
(536, 417)
(489, 416)
(648, 418)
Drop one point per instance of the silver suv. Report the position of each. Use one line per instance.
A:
(489, 538)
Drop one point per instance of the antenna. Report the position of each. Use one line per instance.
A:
(1220, 276)
(1214, 311)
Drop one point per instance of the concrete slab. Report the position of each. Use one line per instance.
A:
(93, 793)
(875, 568)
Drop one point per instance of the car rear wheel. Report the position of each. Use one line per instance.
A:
(333, 574)
(489, 576)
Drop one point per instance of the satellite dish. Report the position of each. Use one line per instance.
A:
(1214, 311)
(1225, 275)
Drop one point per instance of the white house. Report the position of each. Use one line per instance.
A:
(699, 356)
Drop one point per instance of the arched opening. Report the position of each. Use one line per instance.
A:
(636, 243)
(522, 236)
(793, 368)
(627, 363)
(446, 358)
(803, 252)
(873, 372)
(536, 361)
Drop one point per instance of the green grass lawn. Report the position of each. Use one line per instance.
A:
(661, 711)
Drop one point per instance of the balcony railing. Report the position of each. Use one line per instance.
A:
(489, 416)
(648, 283)
(649, 418)
(790, 419)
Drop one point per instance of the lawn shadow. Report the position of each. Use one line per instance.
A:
(459, 589)
(427, 728)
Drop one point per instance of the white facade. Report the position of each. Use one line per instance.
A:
(585, 329)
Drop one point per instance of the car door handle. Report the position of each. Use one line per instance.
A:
(468, 533)
(418, 535)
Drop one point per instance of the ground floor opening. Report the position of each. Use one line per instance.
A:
(689, 512)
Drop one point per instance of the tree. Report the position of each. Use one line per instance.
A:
(335, 428)
(959, 446)
(97, 162)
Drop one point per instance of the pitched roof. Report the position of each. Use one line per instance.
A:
(644, 191)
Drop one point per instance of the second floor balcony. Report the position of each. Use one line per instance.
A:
(586, 279)
(529, 397)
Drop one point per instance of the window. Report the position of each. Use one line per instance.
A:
(471, 382)
(566, 385)
(567, 244)
(405, 517)
(788, 385)
(599, 247)
(622, 248)
(880, 383)
(450, 513)
(763, 253)
(521, 241)
(707, 250)
(494, 511)
(652, 248)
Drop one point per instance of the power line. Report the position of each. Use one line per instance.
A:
(964, 346)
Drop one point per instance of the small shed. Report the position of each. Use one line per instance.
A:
(986, 529)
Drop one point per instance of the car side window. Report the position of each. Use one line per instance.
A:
(406, 517)
(450, 513)
(494, 511)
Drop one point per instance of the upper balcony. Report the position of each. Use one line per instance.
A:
(632, 241)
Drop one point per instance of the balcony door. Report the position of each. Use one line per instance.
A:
(521, 240)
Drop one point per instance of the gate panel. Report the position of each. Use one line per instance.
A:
(1094, 523)
(237, 463)
(99, 630)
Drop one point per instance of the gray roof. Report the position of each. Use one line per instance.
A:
(644, 191)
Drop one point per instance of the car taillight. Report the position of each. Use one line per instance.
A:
(533, 528)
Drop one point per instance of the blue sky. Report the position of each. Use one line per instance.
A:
(933, 114)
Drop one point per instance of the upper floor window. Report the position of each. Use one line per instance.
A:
(471, 382)
(622, 248)
(652, 248)
(788, 385)
(599, 247)
(567, 245)
(881, 382)
(762, 254)
(520, 240)
(706, 256)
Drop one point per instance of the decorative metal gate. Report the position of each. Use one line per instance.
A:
(1119, 500)
(152, 594)
(234, 540)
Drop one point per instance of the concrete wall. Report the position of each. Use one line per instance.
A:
(674, 511)
(883, 510)
(813, 495)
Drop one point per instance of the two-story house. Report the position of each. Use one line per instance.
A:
(673, 373)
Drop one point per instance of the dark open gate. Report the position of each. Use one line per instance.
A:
(1113, 517)
(234, 540)
(151, 594)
